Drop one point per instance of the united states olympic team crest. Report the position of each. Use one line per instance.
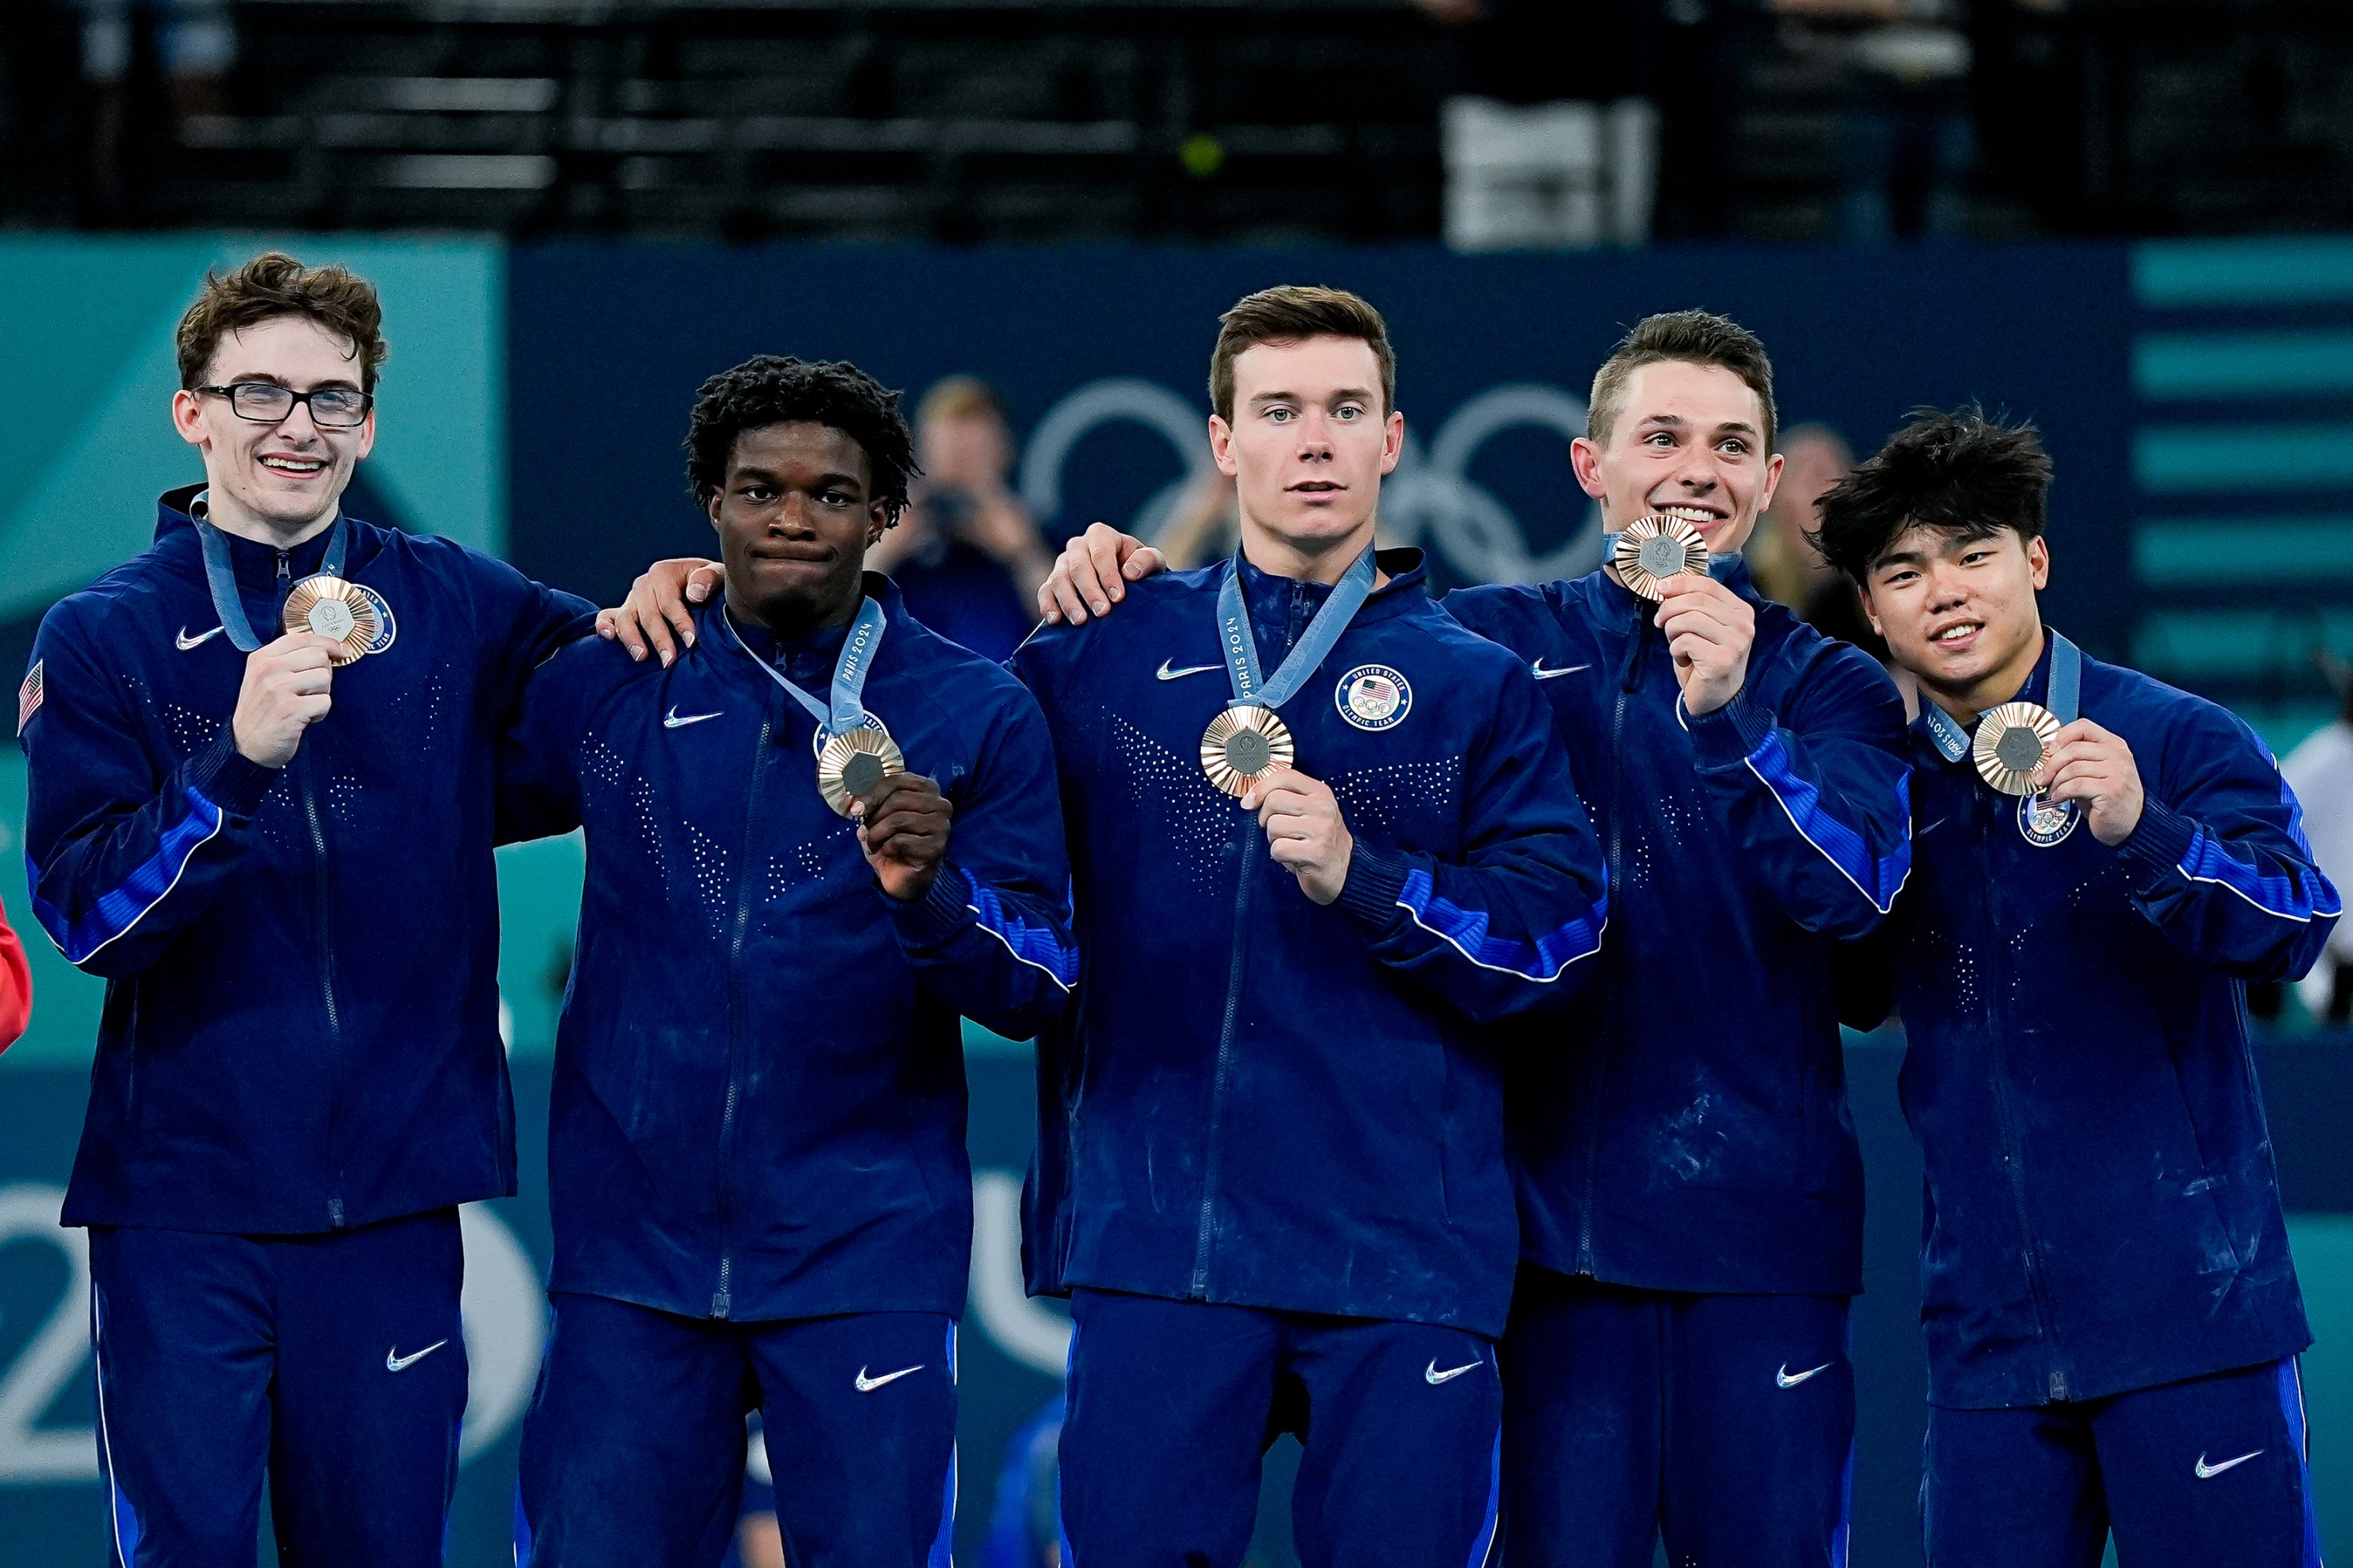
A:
(1374, 697)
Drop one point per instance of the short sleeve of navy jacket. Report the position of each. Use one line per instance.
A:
(1257, 1100)
(759, 1101)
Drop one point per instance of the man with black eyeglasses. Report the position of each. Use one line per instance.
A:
(260, 806)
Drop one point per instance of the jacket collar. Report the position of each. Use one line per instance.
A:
(812, 654)
(256, 564)
(1270, 597)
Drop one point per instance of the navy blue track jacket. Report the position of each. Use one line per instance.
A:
(1691, 1131)
(1262, 1101)
(301, 1029)
(2103, 1213)
(759, 1099)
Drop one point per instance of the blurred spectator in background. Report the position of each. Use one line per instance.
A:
(16, 986)
(1900, 69)
(1205, 525)
(193, 45)
(1551, 140)
(1783, 560)
(1791, 571)
(2320, 771)
(968, 556)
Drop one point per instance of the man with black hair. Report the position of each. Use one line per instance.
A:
(2103, 863)
(757, 1173)
(1690, 1190)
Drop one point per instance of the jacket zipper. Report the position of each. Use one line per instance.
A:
(1627, 686)
(736, 1049)
(2006, 1111)
(1198, 1289)
(1209, 1164)
(321, 867)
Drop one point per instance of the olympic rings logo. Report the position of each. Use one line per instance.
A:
(1429, 499)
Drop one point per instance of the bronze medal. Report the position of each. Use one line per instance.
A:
(1653, 548)
(1242, 745)
(853, 763)
(330, 607)
(2012, 741)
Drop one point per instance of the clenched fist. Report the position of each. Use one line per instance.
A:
(2089, 765)
(1304, 831)
(1710, 630)
(285, 692)
(903, 826)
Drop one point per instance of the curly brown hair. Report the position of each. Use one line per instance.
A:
(274, 284)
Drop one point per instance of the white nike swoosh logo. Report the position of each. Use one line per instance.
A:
(1167, 674)
(396, 1362)
(1436, 1376)
(2207, 1472)
(1788, 1379)
(187, 642)
(674, 719)
(869, 1385)
(1541, 673)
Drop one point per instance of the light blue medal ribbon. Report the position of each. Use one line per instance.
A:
(1348, 596)
(220, 575)
(847, 710)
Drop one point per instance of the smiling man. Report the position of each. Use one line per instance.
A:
(1321, 835)
(813, 841)
(1691, 1194)
(2112, 1314)
(260, 806)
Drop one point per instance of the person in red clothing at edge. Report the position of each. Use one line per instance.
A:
(16, 986)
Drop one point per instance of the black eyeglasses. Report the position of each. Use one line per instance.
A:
(267, 403)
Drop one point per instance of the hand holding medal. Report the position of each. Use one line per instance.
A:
(902, 828)
(2086, 765)
(1306, 831)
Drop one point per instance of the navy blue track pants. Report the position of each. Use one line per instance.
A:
(1725, 1423)
(335, 1364)
(1174, 1404)
(2206, 1473)
(633, 1449)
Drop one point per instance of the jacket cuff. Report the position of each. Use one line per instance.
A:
(2158, 841)
(1376, 880)
(937, 916)
(222, 775)
(1724, 738)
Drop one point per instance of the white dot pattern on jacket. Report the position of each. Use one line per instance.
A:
(1197, 816)
(1382, 799)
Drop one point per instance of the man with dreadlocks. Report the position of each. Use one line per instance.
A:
(758, 1171)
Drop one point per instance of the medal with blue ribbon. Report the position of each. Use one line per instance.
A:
(1248, 740)
(324, 603)
(856, 752)
(2015, 738)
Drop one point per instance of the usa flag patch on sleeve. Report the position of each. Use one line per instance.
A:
(29, 696)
